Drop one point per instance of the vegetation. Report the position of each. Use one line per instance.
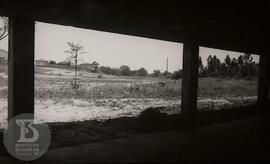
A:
(127, 87)
(96, 88)
(156, 73)
(142, 72)
(225, 88)
(177, 74)
(73, 52)
(242, 67)
(125, 70)
(52, 62)
(3, 27)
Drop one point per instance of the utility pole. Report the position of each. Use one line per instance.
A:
(167, 64)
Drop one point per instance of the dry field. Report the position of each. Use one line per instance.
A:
(118, 96)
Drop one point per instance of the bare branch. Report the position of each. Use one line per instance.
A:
(4, 28)
(2, 36)
(84, 52)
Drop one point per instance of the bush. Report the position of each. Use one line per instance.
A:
(52, 62)
(156, 73)
(125, 70)
(75, 84)
(142, 72)
(177, 74)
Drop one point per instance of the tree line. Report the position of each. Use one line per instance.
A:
(241, 67)
(123, 70)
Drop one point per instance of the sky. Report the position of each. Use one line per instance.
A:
(114, 50)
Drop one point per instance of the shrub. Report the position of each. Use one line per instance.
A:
(177, 74)
(142, 72)
(75, 85)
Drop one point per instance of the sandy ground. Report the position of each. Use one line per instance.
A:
(3, 75)
(3, 113)
(103, 109)
(59, 72)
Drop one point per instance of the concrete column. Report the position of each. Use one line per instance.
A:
(190, 82)
(263, 84)
(21, 66)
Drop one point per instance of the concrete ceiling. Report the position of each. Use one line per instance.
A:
(230, 25)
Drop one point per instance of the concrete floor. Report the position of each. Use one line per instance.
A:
(241, 140)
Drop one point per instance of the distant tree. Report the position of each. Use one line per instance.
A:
(209, 69)
(247, 58)
(142, 72)
(226, 66)
(125, 70)
(3, 27)
(234, 67)
(177, 74)
(133, 72)
(156, 73)
(200, 63)
(227, 60)
(73, 52)
(213, 65)
(209, 60)
(240, 60)
(106, 70)
(167, 74)
(249, 68)
(94, 66)
(201, 67)
(216, 65)
(52, 62)
(223, 70)
(116, 71)
(67, 63)
(242, 67)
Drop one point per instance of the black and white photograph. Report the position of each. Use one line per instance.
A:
(134, 81)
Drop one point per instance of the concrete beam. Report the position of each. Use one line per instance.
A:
(190, 81)
(263, 84)
(21, 66)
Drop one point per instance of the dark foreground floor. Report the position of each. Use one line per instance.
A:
(247, 140)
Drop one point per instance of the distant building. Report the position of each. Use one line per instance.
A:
(41, 62)
(65, 63)
(86, 66)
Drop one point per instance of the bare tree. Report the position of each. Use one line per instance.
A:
(74, 51)
(3, 27)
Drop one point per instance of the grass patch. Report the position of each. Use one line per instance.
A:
(95, 88)
(107, 88)
(220, 87)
